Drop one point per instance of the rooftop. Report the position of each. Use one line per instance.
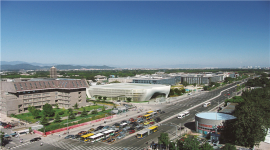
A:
(128, 86)
(215, 116)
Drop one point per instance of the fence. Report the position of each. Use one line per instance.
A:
(74, 126)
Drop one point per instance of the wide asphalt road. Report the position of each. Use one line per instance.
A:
(176, 108)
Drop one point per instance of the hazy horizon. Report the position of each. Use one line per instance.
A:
(147, 34)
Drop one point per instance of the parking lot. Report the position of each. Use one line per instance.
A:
(115, 132)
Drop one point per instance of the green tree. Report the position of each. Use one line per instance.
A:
(190, 143)
(171, 92)
(129, 99)
(35, 113)
(48, 110)
(163, 139)
(84, 113)
(99, 97)
(177, 91)
(229, 146)
(44, 121)
(2, 134)
(70, 110)
(56, 106)
(76, 106)
(95, 103)
(115, 81)
(104, 98)
(250, 127)
(103, 108)
(205, 88)
(57, 118)
(194, 84)
(228, 80)
(206, 146)
(30, 129)
(183, 90)
(185, 83)
(71, 116)
(31, 109)
(94, 111)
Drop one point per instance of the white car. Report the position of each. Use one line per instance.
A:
(180, 116)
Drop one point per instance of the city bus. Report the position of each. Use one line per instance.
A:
(146, 132)
(206, 104)
(149, 112)
(153, 129)
(147, 116)
(102, 130)
(85, 137)
(108, 133)
(96, 137)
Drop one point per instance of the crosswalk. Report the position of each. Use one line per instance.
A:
(18, 146)
(67, 146)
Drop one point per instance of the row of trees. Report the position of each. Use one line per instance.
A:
(252, 123)
(211, 86)
(90, 75)
(190, 143)
(176, 91)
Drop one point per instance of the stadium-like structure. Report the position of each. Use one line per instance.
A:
(122, 91)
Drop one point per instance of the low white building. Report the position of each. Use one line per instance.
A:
(122, 91)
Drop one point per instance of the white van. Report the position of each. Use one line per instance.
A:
(180, 116)
(206, 104)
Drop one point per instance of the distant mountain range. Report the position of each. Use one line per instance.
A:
(18, 65)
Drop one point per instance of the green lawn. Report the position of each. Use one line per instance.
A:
(78, 120)
(29, 118)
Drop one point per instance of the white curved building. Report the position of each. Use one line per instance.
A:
(121, 91)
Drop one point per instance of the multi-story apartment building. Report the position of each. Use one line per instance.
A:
(16, 97)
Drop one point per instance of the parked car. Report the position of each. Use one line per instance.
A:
(131, 131)
(124, 121)
(99, 128)
(35, 139)
(152, 122)
(69, 136)
(123, 132)
(77, 136)
(92, 129)
(82, 132)
(162, 112)
(116, 131)
(140, 128)
(121, 136)
(8, 126)
(140, 116)
(126, 128)
(139, 125)
(131, 120)
(106, 127)
(116, 125)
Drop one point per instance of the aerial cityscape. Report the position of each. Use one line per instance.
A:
(135, 75)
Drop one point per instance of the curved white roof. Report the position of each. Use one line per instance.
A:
(215, 116)
(128, 86)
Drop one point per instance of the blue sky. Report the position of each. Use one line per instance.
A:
(136, 34)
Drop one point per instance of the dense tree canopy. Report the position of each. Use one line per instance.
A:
(250, 127)
(48, 110)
